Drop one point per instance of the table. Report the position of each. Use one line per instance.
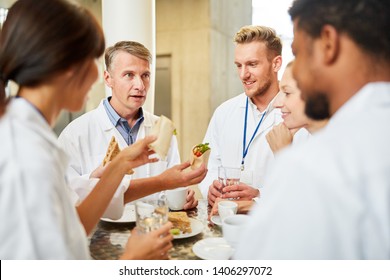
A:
(108, 240)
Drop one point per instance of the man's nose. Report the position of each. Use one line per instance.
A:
(139, 83)
(244, 73)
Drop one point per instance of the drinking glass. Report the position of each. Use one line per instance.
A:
(151, 214)
(229, 176)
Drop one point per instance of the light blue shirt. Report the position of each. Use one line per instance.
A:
(128, 133)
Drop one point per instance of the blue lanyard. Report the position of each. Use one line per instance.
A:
(244, 147)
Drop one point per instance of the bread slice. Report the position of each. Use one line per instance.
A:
(181, 221)
(112, 151)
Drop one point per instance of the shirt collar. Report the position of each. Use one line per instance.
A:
(113, 115)
(269, 108)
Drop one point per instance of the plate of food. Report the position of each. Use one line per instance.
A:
(184, 227)
(127, 217)
(213, 248)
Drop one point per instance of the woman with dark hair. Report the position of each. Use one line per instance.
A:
(49, 48)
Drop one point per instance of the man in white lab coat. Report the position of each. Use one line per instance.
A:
(237, 130)
(86, 139)
(330, 198)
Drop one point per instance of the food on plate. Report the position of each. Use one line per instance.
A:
(112, 151)
(199, 154)
(175, 231)
(180, 221)
(163, 129)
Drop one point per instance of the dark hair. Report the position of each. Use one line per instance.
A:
(367, 22)
(40, 39)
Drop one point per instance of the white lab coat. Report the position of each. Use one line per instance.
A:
(38, 218)
(86, 140)
(329, 198)
(225, 135)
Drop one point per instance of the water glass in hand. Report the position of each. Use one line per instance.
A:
(229, 176)
(151, 214)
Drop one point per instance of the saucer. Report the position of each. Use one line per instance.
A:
(216, 220)
(214, 248)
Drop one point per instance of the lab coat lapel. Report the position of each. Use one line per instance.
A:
(146, 126)
(270, 119)
(108, 128)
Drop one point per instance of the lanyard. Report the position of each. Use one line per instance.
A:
(244, 147)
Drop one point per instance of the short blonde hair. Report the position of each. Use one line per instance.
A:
(250, 33)
(131, 47)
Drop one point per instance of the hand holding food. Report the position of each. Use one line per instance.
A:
(112, 151)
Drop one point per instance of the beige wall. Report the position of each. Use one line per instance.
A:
(6, 3)
(197, 34)
(97, 92)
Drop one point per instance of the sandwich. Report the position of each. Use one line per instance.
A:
(199, 154)
(164, 130)
(180, 221)
(112, 151)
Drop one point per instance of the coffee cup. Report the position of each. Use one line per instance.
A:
(232, 228)
(227, 208)
(176, 198)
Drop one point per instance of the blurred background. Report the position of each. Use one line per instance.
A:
(192, 44)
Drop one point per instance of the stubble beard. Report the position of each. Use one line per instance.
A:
(261, 91)
(317, 106)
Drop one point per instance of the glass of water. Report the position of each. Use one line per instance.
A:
(151, 214)
(229, 176)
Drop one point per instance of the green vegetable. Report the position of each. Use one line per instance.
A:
(201, 148)
(175, 231)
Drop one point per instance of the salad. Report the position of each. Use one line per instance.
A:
(200, 149)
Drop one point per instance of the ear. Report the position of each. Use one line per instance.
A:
(107, 78)
(277, 63)
(69, 73)
(330, 44)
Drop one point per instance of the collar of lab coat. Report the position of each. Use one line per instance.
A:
(107, 126)
(32, 116)
(27, 113)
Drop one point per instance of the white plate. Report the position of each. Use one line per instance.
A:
(216, 220)
(127, 217)
(214, 248)
(196, 226)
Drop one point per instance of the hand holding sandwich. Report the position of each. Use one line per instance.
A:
(93, 206)
(137, 154)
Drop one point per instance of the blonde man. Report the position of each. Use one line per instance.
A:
(237, 130)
